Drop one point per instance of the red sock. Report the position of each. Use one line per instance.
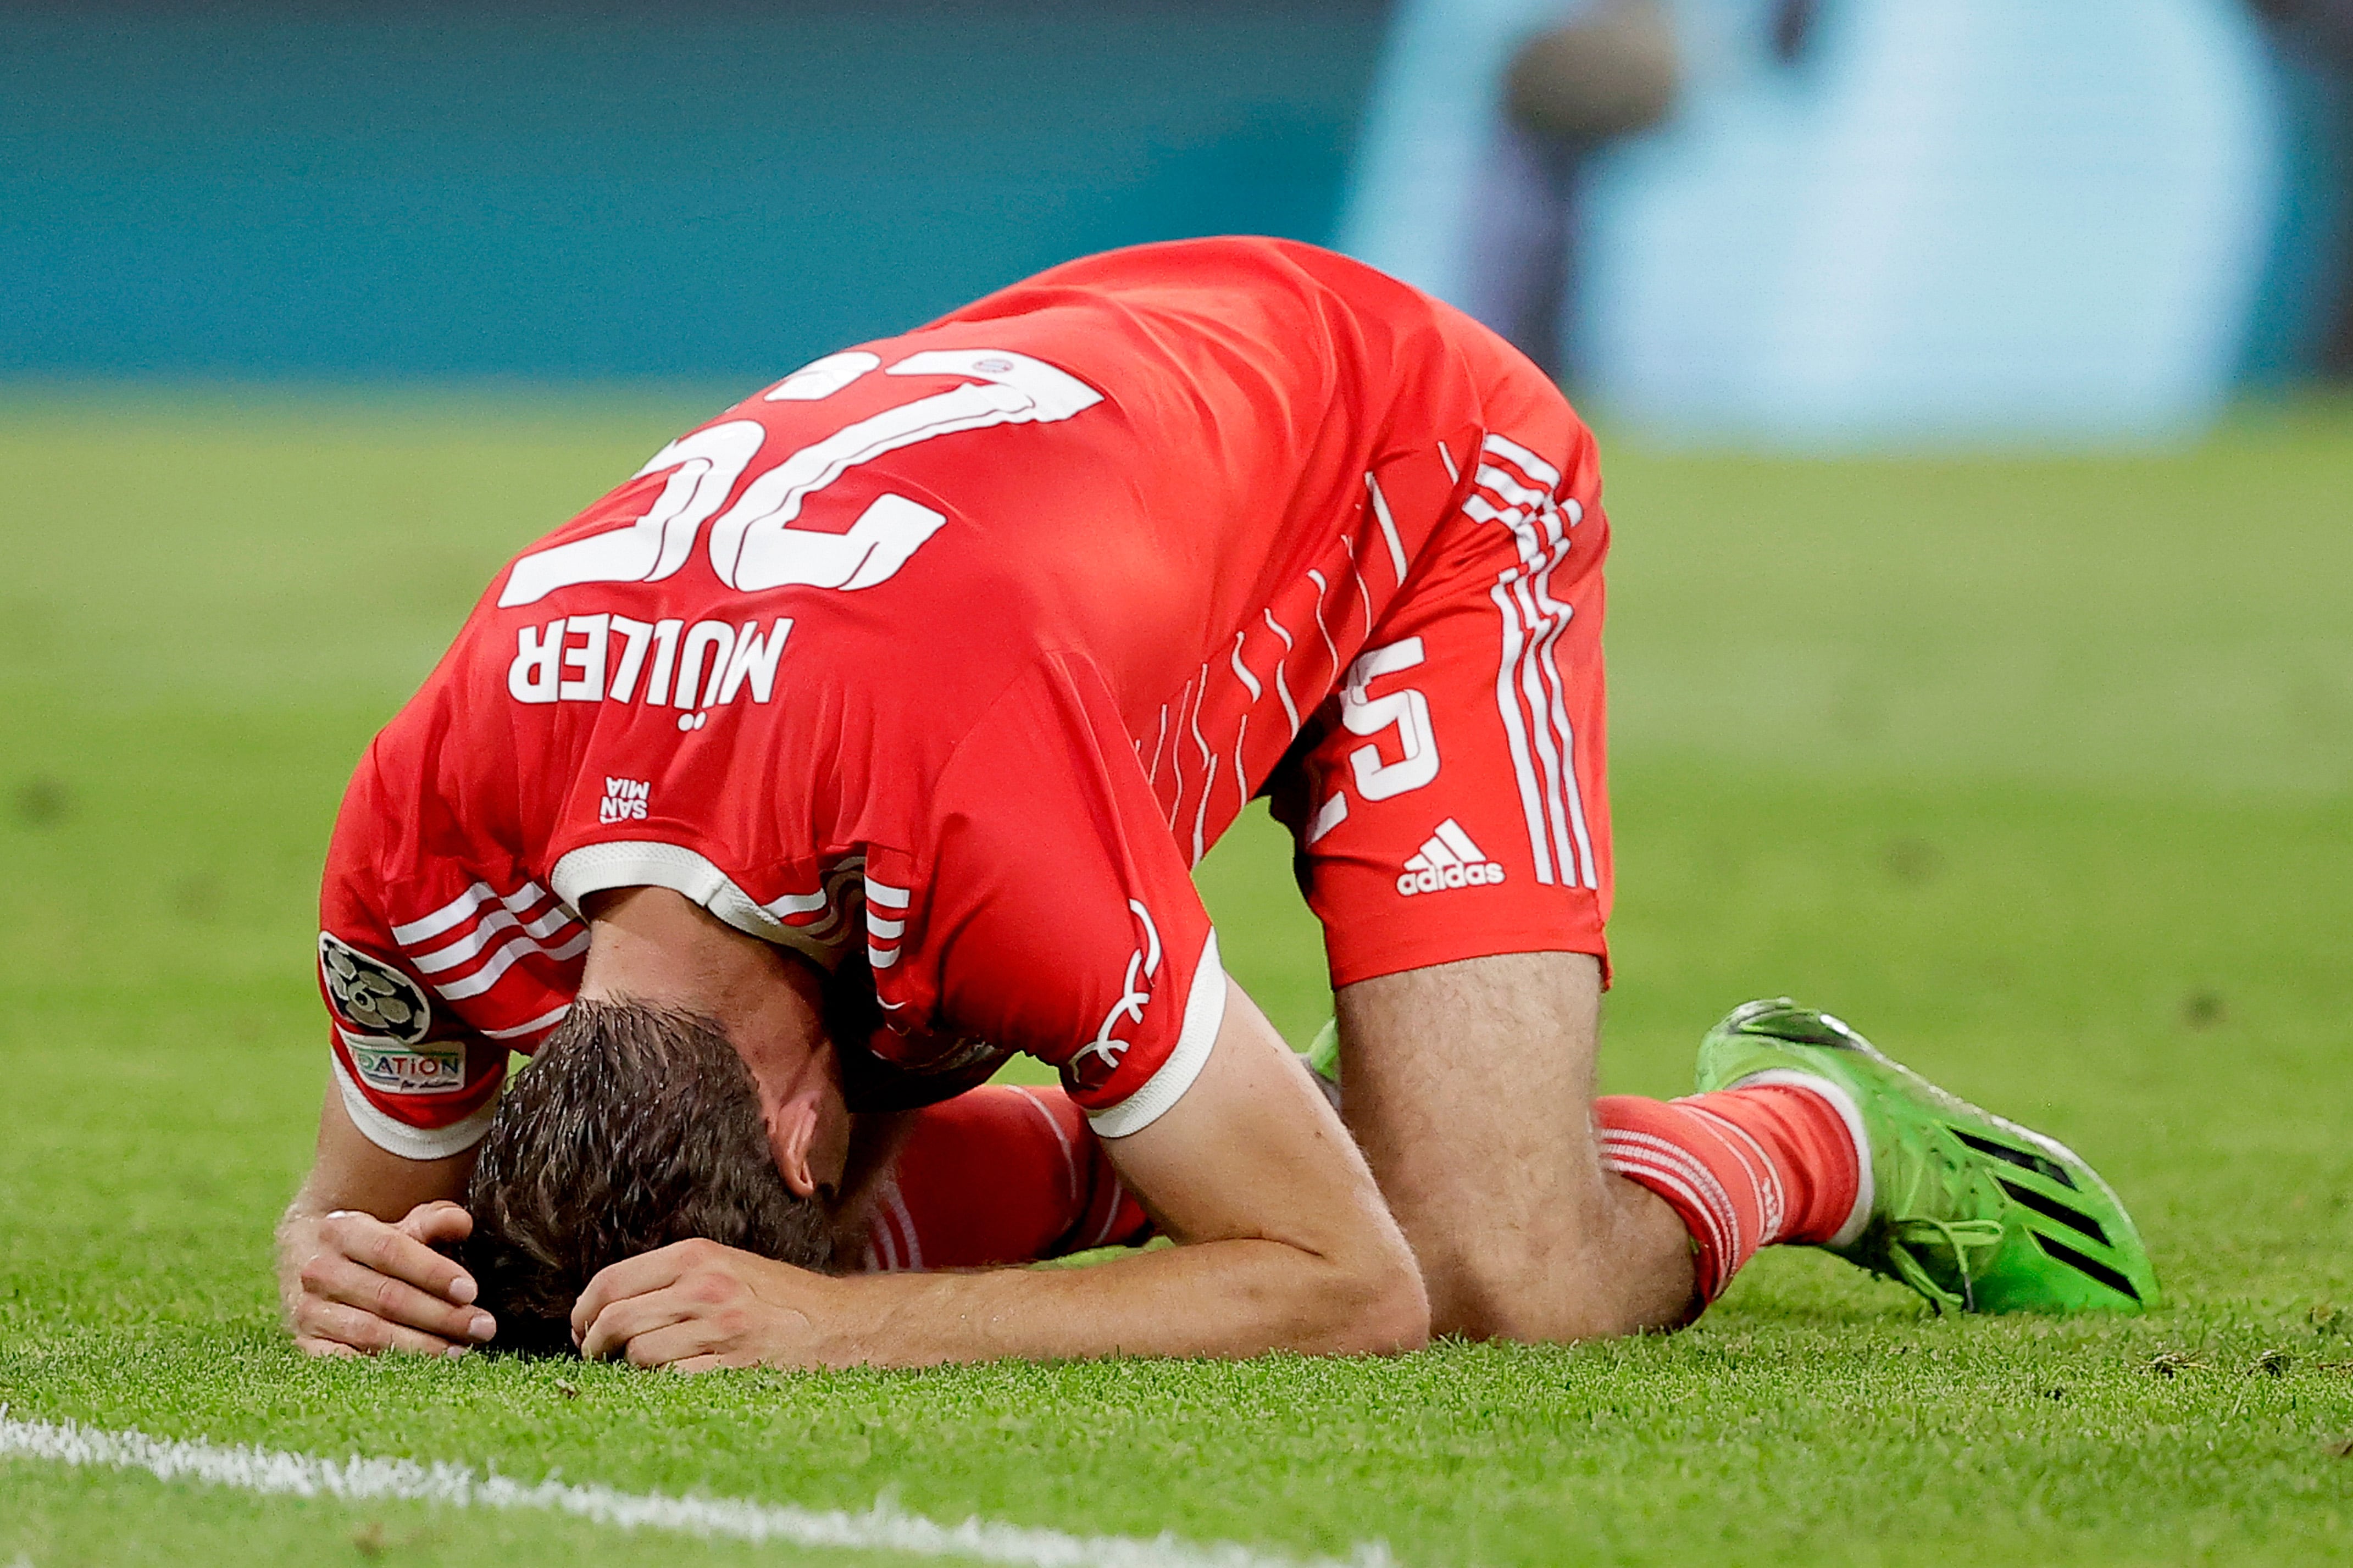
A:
(1000, 1175)
(1743, 1168)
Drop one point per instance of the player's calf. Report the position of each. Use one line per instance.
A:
(1742, 1168)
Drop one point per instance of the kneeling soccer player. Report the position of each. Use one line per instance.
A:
(918, 682)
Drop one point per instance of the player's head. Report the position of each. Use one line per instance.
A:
(637, 1125)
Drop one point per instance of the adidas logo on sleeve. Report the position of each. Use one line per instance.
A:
(1448, 859)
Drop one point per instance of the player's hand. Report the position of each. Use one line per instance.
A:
(354, 1285)
(696, 1305)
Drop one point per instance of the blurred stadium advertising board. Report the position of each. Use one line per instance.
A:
(1940, 221)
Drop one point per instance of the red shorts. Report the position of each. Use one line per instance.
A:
(1450, 801)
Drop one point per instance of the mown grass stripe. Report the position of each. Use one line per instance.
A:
(882, 1528)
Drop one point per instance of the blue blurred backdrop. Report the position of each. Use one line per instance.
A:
(1863, 222)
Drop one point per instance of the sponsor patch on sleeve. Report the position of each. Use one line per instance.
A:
(372, 998)
(407, 1070)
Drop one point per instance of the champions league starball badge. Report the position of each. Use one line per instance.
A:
(373, 997)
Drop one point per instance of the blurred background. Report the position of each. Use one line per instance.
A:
(1811, 224)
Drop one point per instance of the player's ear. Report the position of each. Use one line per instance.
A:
(809, 1129)
(794, 1134)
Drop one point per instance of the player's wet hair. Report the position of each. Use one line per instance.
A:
(635, 1127)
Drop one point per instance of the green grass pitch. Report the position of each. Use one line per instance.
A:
(2039, 771)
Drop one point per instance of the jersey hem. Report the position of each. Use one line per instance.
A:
(398, 1138)
(1205, 1015)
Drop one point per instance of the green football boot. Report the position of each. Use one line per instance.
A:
(1975, 1213)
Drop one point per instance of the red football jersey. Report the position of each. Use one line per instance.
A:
(955, 652)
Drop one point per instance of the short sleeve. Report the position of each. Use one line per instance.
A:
(424, 981)
(1048, 910)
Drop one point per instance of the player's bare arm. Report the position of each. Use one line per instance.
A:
(357, 1268)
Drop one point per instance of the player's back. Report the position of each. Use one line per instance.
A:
(1127, 460)
(1163, 436)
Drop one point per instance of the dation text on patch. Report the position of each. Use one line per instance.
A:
(397, 1069)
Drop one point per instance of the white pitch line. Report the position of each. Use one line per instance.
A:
(881, 1528)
